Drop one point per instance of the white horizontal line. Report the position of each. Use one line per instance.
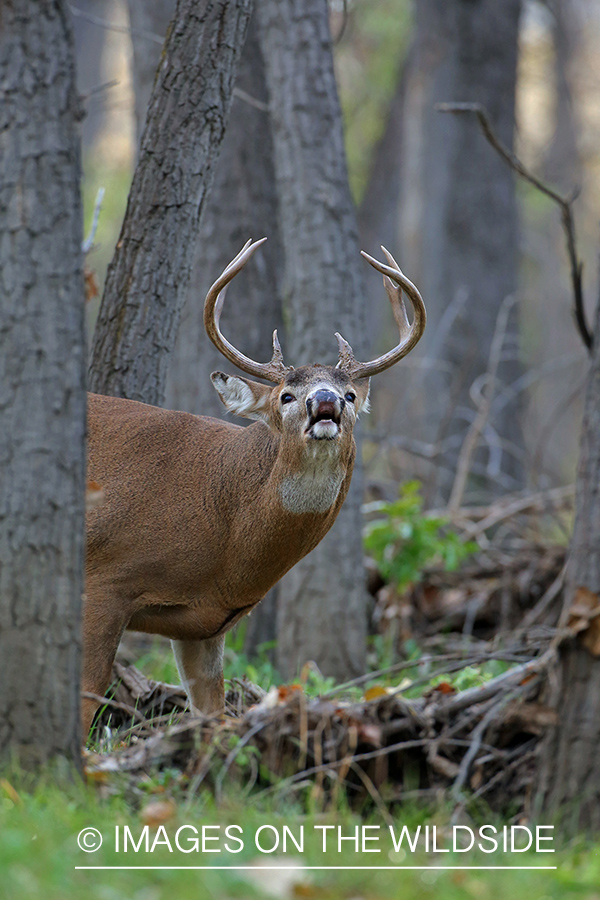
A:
(353, 868)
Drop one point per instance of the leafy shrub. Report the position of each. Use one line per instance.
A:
(405, 539)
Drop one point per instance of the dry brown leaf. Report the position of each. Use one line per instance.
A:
(444, 687)
(584, 619)
(476, 779)
(158, 812)
(374, 692)
(91, 284)
(302, 889)
(98, 776)
(285, 691)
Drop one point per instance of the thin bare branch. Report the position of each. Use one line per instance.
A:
(89, 241)
(484, 406)
(475, 744)
(459, 656)
(112, 26)
(512, 506)
(250, 100)
(565, 204)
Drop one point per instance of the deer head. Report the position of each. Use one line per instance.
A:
(313, 408)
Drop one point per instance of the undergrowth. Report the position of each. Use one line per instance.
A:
(403, 540)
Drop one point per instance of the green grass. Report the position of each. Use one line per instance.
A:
(39, 852)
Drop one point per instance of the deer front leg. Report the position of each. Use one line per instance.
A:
(103, 627)
(200, 667)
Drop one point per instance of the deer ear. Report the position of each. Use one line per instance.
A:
(363, 386)
(242, 397)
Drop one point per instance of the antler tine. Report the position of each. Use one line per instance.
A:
(274, 370)
(394, 293)
(398, 308)
(395, 281)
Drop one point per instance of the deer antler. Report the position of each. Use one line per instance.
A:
(394, 281)
(275, 370)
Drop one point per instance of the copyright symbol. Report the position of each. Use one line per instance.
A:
(89, 840)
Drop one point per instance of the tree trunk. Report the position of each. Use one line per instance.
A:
(378, 216)
(242, 204)
(462, 234)
(148, 278)
(42, 385)
(322, 613)
(569, 773)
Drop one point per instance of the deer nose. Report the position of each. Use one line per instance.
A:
(324, 403)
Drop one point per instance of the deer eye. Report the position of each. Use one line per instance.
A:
(287, 398)
(350, 397)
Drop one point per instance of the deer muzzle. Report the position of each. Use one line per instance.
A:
(324, 410)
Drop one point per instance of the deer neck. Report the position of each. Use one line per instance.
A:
(308, 478)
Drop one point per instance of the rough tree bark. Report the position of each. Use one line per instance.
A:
(462, 232)
(148, 278)
(42, 384)
(322, 612)
(378, 216)
(569, 773)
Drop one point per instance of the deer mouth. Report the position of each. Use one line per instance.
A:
(324, 422)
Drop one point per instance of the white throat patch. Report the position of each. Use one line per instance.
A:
(312, 491)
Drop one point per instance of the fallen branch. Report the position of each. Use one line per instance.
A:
(475, 745)
(506, 509)
(301, 742)
(508, 679)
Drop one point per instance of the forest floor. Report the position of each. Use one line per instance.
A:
(457, 720)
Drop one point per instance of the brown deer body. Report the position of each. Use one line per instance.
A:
(200, 517)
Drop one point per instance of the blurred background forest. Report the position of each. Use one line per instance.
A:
(392, 67)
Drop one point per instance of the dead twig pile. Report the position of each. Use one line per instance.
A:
(484, 600)
(383, 750)
(138, 706)
(512, 582)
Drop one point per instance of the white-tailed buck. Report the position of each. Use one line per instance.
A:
(201, 517)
